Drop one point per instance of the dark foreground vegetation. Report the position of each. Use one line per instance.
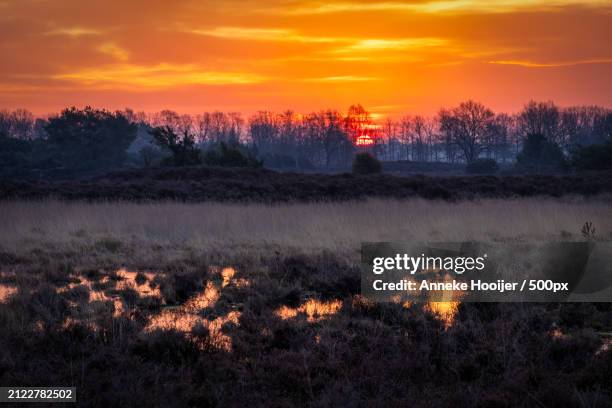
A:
(199, 183)
(268, 350)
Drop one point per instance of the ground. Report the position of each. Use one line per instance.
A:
(221, 304)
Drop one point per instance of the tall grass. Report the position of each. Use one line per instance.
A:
(333, 226)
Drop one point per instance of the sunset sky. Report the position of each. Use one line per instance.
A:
(392, 57)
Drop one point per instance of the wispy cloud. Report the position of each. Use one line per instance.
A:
(343, 78)
(74, 32)
(392, 44)
(344, 44)
(114, 51)
(534, 64)
(157, 76)
(440, 6)
(262, 34)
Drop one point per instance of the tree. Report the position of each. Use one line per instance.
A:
(89, 139)
(497, 141)
(14, 152)
(594, 157)
(365, 163)
(467, 127)
(540, 118)
(540, 152)
(230, 156)
(183, 148)
(264, 130)
(19, 124)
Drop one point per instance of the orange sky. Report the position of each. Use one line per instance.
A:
(392, 57)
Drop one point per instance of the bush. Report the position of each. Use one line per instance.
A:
(594, 157)
(230, 156)
(89, 139)
(183, 149)
(482, 166)
(284, 161)
(539, 151)
(365, 163)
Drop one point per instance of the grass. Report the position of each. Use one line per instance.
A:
(209, 304)
(338, 227)
(199, 184)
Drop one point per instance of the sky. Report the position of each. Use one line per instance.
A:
(392, 57)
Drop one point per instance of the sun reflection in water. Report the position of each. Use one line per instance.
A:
(314, 310)
(6, 292)
(446, 311)
(186, 318)
(227, 274)
(139, 281)
(203, 300)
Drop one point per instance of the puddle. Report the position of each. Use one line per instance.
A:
(204, 300)
(314, 310)
(186, 318)
(135, 280)
(6, 292)
(446, 311)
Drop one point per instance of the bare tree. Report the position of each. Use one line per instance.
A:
(540, 118)
(466, 126)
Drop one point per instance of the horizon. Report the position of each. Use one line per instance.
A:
(374, 116)
(408, 58)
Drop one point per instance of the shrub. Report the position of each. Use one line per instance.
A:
(594, 157)
(482, 166)
(285, 161)
(365, 163)
(230, 156)
(183, 149)
(539, 151)
(88, 139)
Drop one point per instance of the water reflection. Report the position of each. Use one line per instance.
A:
(96, 293)
(208, 298)
(314, 310)
(139, 281)
(6, 292)
(446, 311)
(187, 318)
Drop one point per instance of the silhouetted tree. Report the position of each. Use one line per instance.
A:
(540, 152)
(467, 126)
(14, 152)
(89, 139)
(594, 157)
(365, 163)
(227, 155)
(183, 148)
(540, 118)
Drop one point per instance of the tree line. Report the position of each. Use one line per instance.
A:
(93, 140)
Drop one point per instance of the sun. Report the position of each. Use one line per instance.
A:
(364, 140)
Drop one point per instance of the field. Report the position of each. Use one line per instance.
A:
(217, 184)
(227, 304)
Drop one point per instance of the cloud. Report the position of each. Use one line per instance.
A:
(156, 76)
(74, 32)
(392, 44)
(350, 44)
(262, 34)
(114, 51)
(440, 6)
(343, 78)
(532, 64)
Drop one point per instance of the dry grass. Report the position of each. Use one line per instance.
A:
(277, 326)
(340, 227)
